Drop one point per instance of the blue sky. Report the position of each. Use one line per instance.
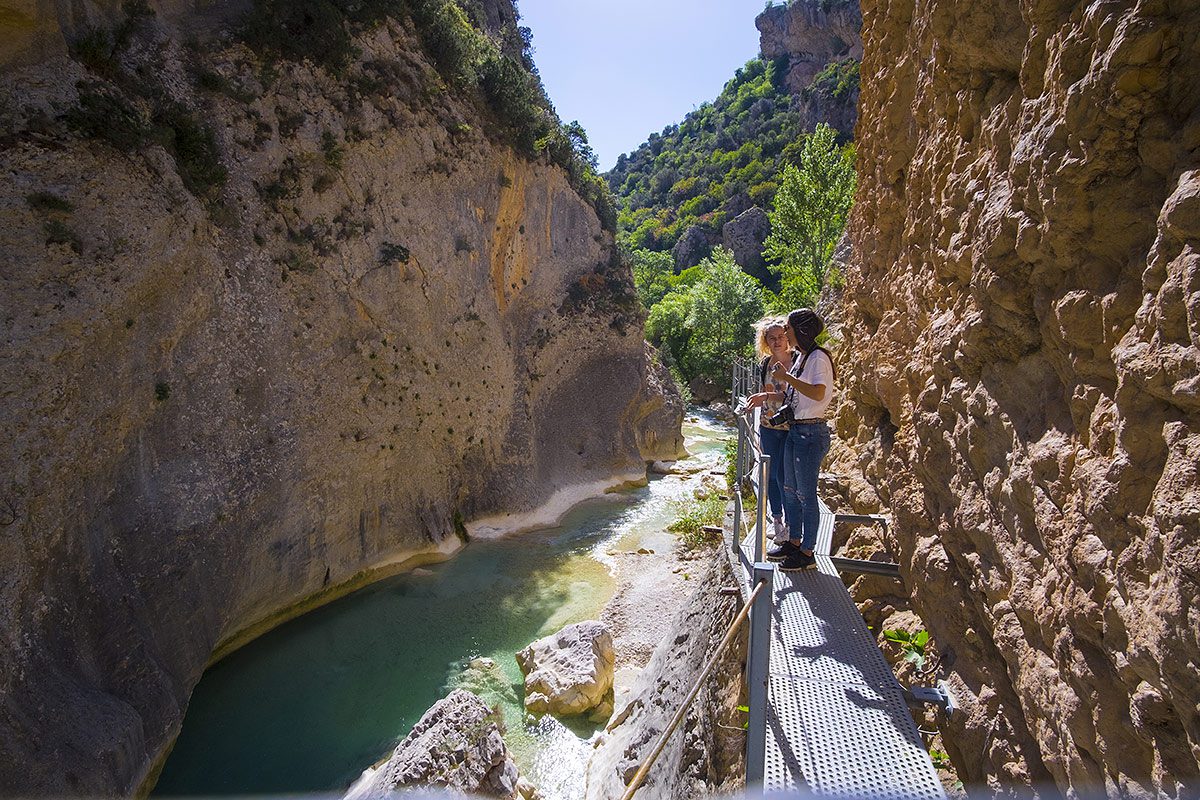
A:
(626, 68)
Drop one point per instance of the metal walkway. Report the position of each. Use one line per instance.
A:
(837, 721)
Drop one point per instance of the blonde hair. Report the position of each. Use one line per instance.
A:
(762, 328)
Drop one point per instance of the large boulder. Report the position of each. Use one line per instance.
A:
(744, 236)
(692, 248)
(705, 390)
(569, 672)
(457, 744)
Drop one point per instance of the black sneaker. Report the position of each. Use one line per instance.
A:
(783, 551)
(797, 561)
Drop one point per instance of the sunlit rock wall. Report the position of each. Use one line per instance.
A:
(1022, 372)
(809, 35)
(220, 407)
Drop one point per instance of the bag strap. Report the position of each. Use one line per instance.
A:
(762, 371)
(789, 392)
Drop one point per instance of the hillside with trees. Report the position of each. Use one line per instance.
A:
(736, 210)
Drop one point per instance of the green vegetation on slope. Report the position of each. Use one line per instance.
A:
(723, 158)
(746, 148)
(704, 316)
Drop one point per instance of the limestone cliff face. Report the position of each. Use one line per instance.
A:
(1021, 354)
(811, 35)
(223, 403)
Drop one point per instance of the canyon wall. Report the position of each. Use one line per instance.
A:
(820, 41)
(1022, 373)
(304, 325)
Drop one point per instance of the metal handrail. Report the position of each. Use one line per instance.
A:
(640, 775)
(758, 656)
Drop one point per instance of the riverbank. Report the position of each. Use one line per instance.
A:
(360, 671)
(654, 581)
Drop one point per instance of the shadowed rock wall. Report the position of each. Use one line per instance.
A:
(223, 405)
(1022, 372)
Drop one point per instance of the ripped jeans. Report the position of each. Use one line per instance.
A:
(803, 452)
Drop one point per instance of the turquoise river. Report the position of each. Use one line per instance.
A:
(310, 705)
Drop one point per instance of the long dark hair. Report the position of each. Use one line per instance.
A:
(806, 326)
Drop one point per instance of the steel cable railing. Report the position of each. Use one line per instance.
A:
(636, 782)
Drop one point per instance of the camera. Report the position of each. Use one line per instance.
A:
(784, 416)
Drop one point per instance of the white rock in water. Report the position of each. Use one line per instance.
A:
(663, 467)
(568, 672)
(457, 745)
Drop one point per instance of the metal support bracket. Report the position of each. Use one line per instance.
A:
(933, 695)
(878, 519)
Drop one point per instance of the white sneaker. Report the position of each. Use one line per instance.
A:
(781, 531)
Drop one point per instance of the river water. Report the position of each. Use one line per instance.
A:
(310, 705)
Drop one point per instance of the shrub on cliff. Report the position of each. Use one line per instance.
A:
(838, 80)
(299, 29)
(107, 114)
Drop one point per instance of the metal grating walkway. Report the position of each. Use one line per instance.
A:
(837, 722)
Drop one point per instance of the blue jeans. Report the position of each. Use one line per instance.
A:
(772, 445)
(803, 453)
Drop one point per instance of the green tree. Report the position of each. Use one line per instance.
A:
(726, 303)
(667, 329)
(811, 210)
(652, 274)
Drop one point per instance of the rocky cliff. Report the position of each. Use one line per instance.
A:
(1023, 373)
(820, 44)
(270, 327)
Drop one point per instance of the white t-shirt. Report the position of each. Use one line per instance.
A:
(818, 369)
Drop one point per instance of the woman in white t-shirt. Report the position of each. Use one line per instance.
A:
(809, 388)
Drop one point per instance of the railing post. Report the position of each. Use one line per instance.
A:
(759, 662)
(760, 510)
(743, 451)
(737, 485)
(733, 389)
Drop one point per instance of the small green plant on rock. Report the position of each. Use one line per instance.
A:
(57, 232)
(331, 149)
(695, 514)
(912, 645)
(390, 253)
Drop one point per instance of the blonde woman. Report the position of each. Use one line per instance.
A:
(808, 388)
(775, 348)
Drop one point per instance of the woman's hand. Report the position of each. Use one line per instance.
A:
(756, 400)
